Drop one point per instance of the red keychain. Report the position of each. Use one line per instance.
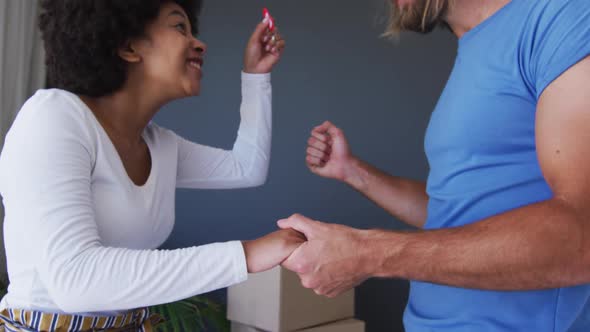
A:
(271, 21)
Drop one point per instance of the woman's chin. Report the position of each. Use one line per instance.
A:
(192, 91)
(195, 93)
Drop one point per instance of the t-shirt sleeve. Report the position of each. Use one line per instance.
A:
(560, 39)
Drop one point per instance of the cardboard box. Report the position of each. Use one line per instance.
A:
(275, 301)
(349, 325)
(237, 327)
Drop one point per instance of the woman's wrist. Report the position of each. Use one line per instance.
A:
(254, 71)
(248, 254)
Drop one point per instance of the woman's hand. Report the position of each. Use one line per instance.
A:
(264, 49)
(271, 250)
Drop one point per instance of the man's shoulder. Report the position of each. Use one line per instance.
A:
(552, 9)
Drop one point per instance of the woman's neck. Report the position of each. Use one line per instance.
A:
(125, 113)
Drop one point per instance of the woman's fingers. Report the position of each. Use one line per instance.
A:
(279, 46)
(273, 41)
(259, 32)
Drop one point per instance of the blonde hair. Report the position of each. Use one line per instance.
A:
(432, 14)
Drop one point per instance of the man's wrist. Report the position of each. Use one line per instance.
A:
(383, 247)
(355, 175)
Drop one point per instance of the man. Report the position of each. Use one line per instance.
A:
(505, 213)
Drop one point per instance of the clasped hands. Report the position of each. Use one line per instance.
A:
(328, 258)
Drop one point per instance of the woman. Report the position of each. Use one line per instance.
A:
(88, 181)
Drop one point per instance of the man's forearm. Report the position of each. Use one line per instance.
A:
(403, 198)
(544, 245)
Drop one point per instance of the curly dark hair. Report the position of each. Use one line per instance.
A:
(82, 38)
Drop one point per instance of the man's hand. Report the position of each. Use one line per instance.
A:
(328, 153)
(332, 260)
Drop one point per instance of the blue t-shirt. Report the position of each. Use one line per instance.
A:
(480, 145)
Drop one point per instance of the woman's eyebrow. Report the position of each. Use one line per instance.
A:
(178, 13)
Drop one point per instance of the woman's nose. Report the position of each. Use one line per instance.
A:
(199, 46)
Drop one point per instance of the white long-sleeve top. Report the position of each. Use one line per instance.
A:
(80, 236)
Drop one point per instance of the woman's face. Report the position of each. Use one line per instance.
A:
(169, 56)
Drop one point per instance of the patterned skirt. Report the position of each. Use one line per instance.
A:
(17, 320)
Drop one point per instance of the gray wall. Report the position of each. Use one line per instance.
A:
(335, 67)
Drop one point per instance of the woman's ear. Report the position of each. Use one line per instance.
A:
(128, 52)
